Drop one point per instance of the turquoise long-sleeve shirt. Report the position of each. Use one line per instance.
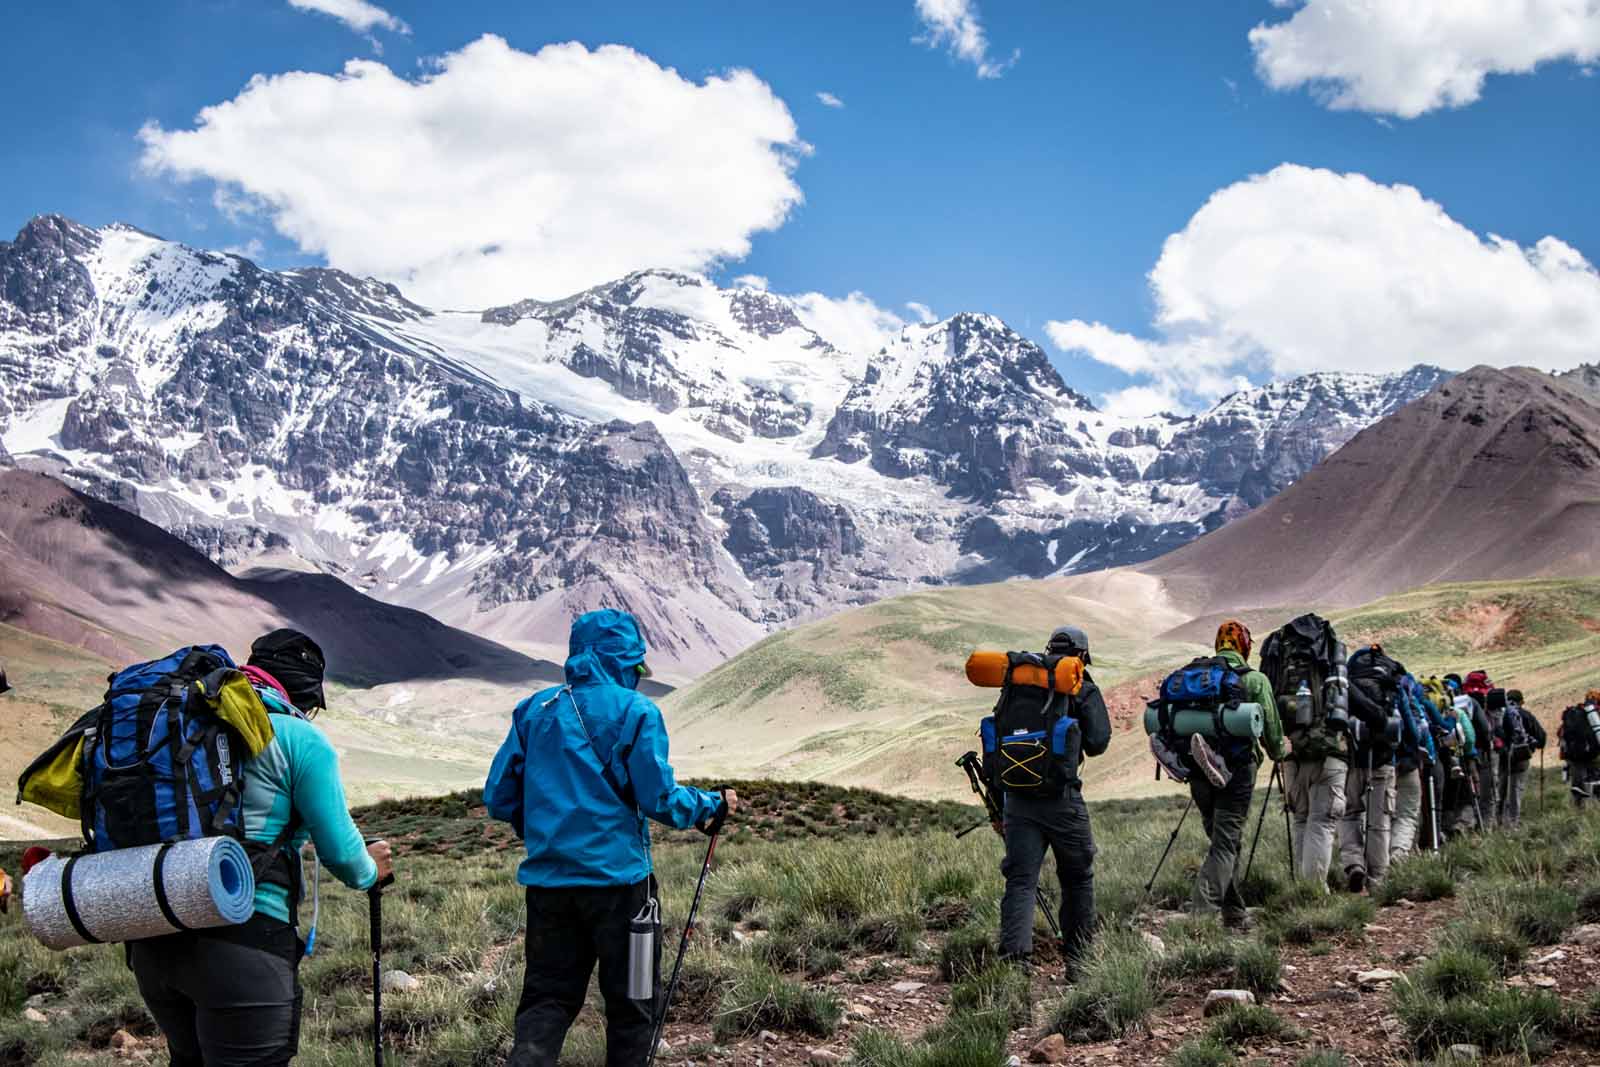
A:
(299, 773)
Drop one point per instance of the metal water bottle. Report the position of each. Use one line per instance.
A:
(1302, 705)
(643, 933)
(1592, 713)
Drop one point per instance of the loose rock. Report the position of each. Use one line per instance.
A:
(767, 1037)
(1465, 1052)
(1155, 944)
(399, 982)
(1587, 934)
(1052, 1049)
(34, 1015)
(908, 987)
(1377, 976)
(124, 1041)
(821, 1057)
(1220, 1000)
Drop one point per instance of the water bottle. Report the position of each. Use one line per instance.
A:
(1592, 713)
(642, 934)
(1302, 705)
(1336, 691)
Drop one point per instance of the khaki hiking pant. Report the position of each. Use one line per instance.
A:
(1512, 784)
(1315, 791)
(1407, 813)
(1364, 834)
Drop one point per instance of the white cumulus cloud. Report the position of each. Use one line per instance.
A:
(955, 26)
(1408, 57)
(829, 100)
(357, 14)
(1301, 269)
(500, 174)
(851, 324)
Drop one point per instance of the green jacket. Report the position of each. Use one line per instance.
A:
(1259, 691)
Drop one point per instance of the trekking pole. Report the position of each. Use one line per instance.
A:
(375, 923)
(711, 830)
(1541, 781)
(1288, 827)
(1366, 818)
(1173, 840)
(1260, 822)
(969, 763)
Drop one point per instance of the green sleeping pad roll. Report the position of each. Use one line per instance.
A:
(1242, 721)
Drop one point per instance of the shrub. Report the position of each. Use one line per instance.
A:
(1245, 1022)
(1456, 972)
(1490, 938)
(1116, 991)
(1195, 946)
(759, 999)
(1258, 967)
(1500, 1020)
(967, 951)
(1422, 876)
(1001, 992)
(962, 1041)
(1306, 924)
(1202, 1052)
(1325, 1057)
(1540, 913)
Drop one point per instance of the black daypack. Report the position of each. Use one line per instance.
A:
(1578, 741)
(1305, 662)
(1031, 742)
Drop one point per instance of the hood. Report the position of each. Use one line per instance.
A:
(605, 646)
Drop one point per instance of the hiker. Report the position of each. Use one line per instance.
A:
(1492, 702)
(1369, 783)
(231, 996)
(1306, 663)
(1056, 819)
(1413, 767)
(1462, 792)
(1521, 735)
(1579, 741)
(5, 687)
(1226, 780)
(581, 772)
(5, 891)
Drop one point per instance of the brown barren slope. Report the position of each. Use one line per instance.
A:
(88, 574)
(1495, 474)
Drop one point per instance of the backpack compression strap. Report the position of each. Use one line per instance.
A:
(70, 905)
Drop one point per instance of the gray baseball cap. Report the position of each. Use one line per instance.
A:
(1071, 640)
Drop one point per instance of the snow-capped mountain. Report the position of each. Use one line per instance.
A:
(699, 455)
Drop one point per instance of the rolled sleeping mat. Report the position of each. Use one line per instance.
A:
(988, 670)
(122, 896)
(1242, 721)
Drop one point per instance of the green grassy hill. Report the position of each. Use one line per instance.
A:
(876, 696)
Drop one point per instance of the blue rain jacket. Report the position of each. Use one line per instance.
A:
(585, 768)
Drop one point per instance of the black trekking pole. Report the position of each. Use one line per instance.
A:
(1541, 781)
(712, 830)
(1288, 828)
(375, 937)
(1173, 840)
(969, 763)
(1260, 822)
(1366, 819)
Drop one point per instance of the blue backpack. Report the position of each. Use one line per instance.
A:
(158, 765)
(1209, 684)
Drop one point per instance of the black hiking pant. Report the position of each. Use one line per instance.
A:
(569, 931)
(224, 998)
(1031, 826)
(1224, 813)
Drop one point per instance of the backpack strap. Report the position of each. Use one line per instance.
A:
(70, 905)
(181, 751)
(160, 886)
(623, 795)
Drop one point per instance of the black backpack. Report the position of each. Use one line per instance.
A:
(1031, 742)
(1578, 742)
(1307, 652)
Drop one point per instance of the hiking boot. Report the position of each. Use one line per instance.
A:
(1211, 765)
(1356, 879)
(1169, 760)
(1238, 921)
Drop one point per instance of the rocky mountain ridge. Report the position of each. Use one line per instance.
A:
(705, 457)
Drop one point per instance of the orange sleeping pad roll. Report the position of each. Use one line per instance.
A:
(988, 669)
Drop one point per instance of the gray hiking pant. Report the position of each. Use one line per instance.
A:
(1407, 812)
(1224, 812)
(1489, 788)
(1512, 785)
(1062, 826)
(1364, 831)
(1315, 790)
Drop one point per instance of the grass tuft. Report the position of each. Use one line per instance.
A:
(1258, 967)
(1201, 1052)
(760, 999)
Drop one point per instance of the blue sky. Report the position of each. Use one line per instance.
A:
(1043, 194)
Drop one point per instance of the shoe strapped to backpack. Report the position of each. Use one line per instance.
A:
(1213, 766)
